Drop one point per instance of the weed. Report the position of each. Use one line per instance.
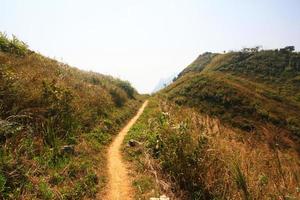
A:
(240, 180)
(2, 183)
(56, 179)
(98, 138)
(85, 187)
(143, 184)
(45, 192)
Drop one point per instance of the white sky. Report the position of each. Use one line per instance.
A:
(145, 40)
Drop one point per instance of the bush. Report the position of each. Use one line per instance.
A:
(13, 45)
(10, 93)
(60, 114)
(118, 96)
(170, 143)
(184, 160)
(60, 122)
(126, 86)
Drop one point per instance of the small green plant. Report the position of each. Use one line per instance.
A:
(8, 130)
(84, 187)
(143, 184)
(263, 180)
(101, 137)
(50, 135)
(97, 138)
(56, 179)
(240, 180)
(45, 192)
(2, 183)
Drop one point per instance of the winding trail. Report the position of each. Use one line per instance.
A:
(119, 186)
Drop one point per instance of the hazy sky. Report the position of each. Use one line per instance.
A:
(145, 40)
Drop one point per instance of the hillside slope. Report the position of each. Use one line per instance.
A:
(226, 128)
(245, 89)
(55, 122)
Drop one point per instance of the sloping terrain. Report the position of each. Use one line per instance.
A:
(226, 128)
(55, 122)
(245, 89)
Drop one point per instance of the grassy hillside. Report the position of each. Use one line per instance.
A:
(55, 121)
(245, 89)
(188, 155)
(199, 64)
(227, 128)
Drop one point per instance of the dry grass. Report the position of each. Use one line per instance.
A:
(268, 161)
(46, 106)
(231, 164)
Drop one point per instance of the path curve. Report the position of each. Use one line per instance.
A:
(119, 186)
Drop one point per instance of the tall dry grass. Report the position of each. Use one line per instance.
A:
(239, 165)
(196, 157)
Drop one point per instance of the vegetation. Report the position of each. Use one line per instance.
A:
(14, 45)
(55, 121)
(199, 64)
(188, 155)
(245, 89)
(226, 128)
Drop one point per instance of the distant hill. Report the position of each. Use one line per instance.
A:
(164, 82)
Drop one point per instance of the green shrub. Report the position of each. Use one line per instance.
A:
(180, 156)
(126, 86)
(13, 45)
(10, 93)
(8, 130)
(184, 160)
(60, 113)
(118, 96)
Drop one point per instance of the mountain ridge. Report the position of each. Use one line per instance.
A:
(226, 128)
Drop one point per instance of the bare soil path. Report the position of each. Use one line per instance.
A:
(119, 185)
